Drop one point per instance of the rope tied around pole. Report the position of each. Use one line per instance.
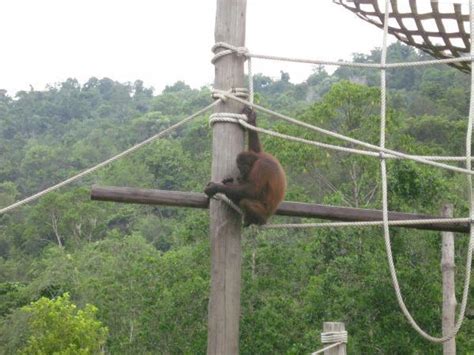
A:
(239, 51)
(227, 50)
(227, 117)
(334, 337)
(242, 93)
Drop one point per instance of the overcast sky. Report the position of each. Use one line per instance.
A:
(161, 42)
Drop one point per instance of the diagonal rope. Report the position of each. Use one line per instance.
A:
(108, 161)
(326, 132)
(327, 348)
(327, 145)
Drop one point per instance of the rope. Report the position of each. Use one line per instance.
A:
(417, 158)
(332, 337)
(242, 120)
(225, 199)
(240, 51)
(410, 222)
(238, 92)
(250, 75)
(338, 338)
(108, 161)
(243, 51)
(339, 148)
(227, 117)
(327, 348)
(342, 63)
(228, 49)
(383, 167)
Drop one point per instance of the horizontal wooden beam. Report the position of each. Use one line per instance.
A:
(295, 209)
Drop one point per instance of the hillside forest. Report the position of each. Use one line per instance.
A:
(85, 277)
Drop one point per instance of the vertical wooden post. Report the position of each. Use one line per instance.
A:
(449, 296)
(334, 327)
(225, 224)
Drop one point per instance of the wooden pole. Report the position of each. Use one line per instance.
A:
(449, 296)
(295, 209)
(225, 224)
(334, 327)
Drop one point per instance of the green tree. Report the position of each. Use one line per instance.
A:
(58, 327)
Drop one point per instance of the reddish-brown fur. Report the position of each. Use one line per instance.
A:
(261, 185)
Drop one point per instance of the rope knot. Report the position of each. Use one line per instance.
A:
(242, 51)
(242, 93)
(334, 337)
(219, 95)
(227, 50)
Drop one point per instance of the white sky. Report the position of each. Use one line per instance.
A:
(161, 42)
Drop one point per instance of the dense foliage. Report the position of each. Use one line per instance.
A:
(57, 327)
(146, 268)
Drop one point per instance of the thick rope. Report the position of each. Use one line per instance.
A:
(242, 120)
(337, 147)
(333, 337)
(226, 117)
(409, 222)
(243, 51)
(338, 338)
(388, 247)
(250, 77)
(228, 201)
(240, 51)
(108, 161)
(327, 348)
(417, 158)
(361, 65)
(238, 92)
(227, 50)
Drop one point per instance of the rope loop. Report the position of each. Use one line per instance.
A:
(228, 49)
(226, 117)
(240, 92)
(334, 337)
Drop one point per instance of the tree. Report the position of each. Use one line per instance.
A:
(58, 327)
